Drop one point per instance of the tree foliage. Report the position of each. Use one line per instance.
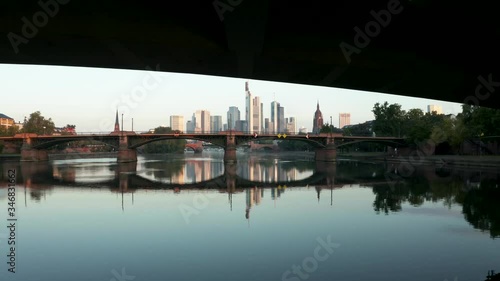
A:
(38, 124)
(8, 132)
(474, 122)
(327, 128)
(165, 146)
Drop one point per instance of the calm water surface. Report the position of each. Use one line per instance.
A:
(190, 217)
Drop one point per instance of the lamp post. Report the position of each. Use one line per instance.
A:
(44, 130)
(331, 125)
(122, 122)
(132, 124)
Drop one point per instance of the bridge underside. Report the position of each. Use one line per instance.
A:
(419, 48)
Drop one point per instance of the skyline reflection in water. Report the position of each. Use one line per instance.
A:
(194, 218)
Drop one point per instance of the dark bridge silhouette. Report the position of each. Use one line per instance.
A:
(34, 147)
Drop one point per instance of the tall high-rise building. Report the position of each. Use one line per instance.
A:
(281, 119)
(274, 117)
(202, 121)
(215, 123)
(291, 126)
(344, 119)
(257, 114)
(242, 126)
(233, 115)
(177, 123)
(262, 117)
(189, 126)
(318, 120)
(248, 108)
(267, 127)
(438, 109)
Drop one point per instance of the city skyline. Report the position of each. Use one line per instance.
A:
(97, 93)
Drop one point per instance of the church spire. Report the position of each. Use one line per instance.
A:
(317, 105)
(117, 124)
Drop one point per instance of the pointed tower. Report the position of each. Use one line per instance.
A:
(117, 124)
(318, 120)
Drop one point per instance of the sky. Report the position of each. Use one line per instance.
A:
(89, 97)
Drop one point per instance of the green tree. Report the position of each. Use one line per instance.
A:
(165, 146)
(38, 124)
(327, 128)
(389, 119)
(8, 132)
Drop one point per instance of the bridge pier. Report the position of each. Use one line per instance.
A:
(326, 154)
(230, 150)
(126, 154)
(28, 153)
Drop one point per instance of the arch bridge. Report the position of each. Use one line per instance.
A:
(35, 147)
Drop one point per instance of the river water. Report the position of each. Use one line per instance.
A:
(268, 217)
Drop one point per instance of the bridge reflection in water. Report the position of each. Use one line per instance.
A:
(475, 191)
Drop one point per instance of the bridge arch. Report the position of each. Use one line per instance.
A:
(394, 143)
(180, 137)
(314, 143)
(51, 143)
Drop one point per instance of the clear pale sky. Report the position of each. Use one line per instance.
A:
(89, 97)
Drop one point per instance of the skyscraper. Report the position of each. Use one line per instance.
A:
(438, 109)
(344, 119)
(248, 108)
(318, 120)
(215, 123)
(291, 127)
(281, 119)
(274, 117)
(202, 121)
(177, 123)
(233, 115)
(257, 114)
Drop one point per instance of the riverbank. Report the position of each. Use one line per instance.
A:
(472, 161)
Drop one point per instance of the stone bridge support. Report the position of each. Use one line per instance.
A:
(230, 149)
(28, 153)
(328, 153)
(126, 154)
(11, 147)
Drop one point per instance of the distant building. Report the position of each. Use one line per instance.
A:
(117, 123)
(6, 121)
(233, 115)
(177, 123)
(291, 127)
(215, 123)
(241, 126)
(438, 109)
(256, 115)
(248, 108)
(190, 126)
(281, 119)
(318, 120)
(202, 121)
(267, 126)
(344, 119)
(274, 117)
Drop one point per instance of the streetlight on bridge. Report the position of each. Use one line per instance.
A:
(122, 122)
